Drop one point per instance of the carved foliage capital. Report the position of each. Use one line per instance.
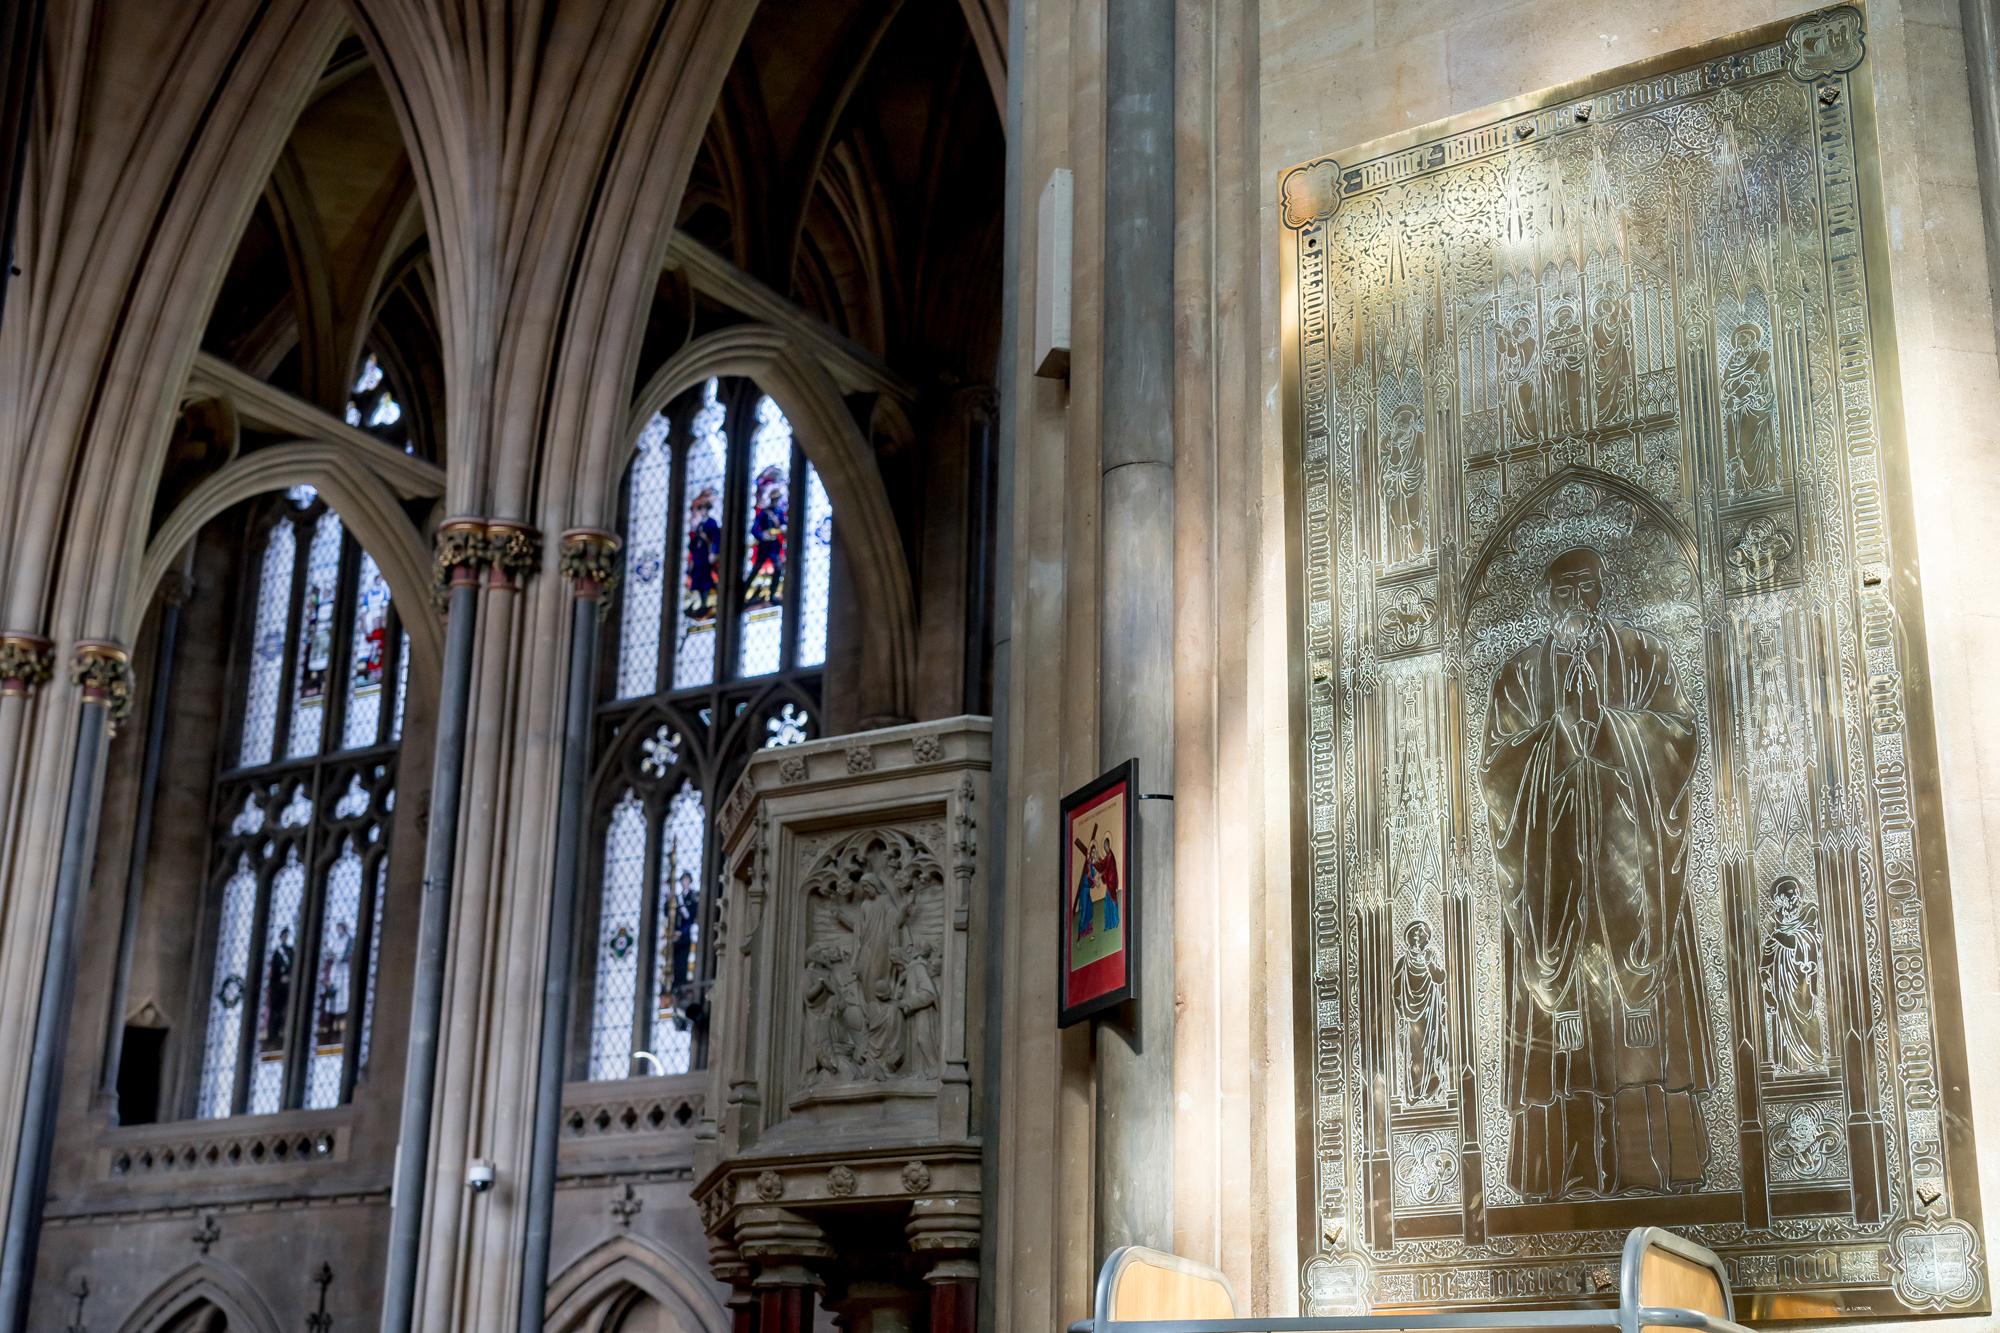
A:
(460, 552)
(103, 671)
(26, 662)
(589, 560)
(514, 551)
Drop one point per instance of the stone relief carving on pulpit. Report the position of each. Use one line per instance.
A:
(874, 942)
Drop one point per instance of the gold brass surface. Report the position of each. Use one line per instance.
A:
(1622, 891)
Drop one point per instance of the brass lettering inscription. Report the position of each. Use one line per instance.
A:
(1622, 875)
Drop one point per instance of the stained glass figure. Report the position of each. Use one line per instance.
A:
(278, 964)
(701, 540)
(618, 940)
(765, 536)
(646, 498)
(679, 929)
(267, 645)
(815, 571)
(333, 987)
(316, 637)
(369, 658)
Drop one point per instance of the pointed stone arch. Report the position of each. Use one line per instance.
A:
(364, 502)
(868, 540)
(209, 1285)
(601, 1285)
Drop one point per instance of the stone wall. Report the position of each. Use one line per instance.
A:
(1260, 87)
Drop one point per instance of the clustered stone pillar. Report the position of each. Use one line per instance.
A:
(589, 560)
(103, 675)
(1135, 1091)
(462, 548)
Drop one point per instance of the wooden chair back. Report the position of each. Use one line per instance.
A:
(1663, 1269)
(1138, 1283)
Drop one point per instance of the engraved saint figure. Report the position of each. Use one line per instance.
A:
(1562, 372)
(1403, 536)
(1611, 357)
(1421, 1037)
(1519, 352)
(1789, 968)
(1590, 745)
(1746, 404)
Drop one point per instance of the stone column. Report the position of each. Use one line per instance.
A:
(1135, 1090)
(103, 675)
(461, 550)
(787, 1251)
(945, 1232)
(730, 1268)
(590, 562)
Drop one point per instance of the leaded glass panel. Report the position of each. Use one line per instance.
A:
(618, 940)
(368, 663)
(374, 956)
(815, 571)
(701, 540)
(267, 645)
(679, 928)
(333, 987)
(767, 491)
(278, 967)
(648, 494)
(316, 638)
(402, 685)
(225, 1004)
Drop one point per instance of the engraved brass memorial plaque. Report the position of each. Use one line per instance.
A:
(1623, 895)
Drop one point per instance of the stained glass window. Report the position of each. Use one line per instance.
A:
(618, 940)
(727, 665)
(267, 645)
(648, 490)
(815, 571)
(701, 540)
(315, 647)
(765, 546)
(372, 405)
(301, 852)
(679, 928)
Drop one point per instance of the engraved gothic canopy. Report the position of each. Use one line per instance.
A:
(1624, 893)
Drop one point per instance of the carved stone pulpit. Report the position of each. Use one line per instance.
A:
(842, 1149)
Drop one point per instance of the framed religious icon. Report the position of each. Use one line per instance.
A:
(1100, 895)
(1622, 885)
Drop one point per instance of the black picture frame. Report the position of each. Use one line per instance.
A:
(1125, 776)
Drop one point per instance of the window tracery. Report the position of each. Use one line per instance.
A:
(299, 864)
(723, 663)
